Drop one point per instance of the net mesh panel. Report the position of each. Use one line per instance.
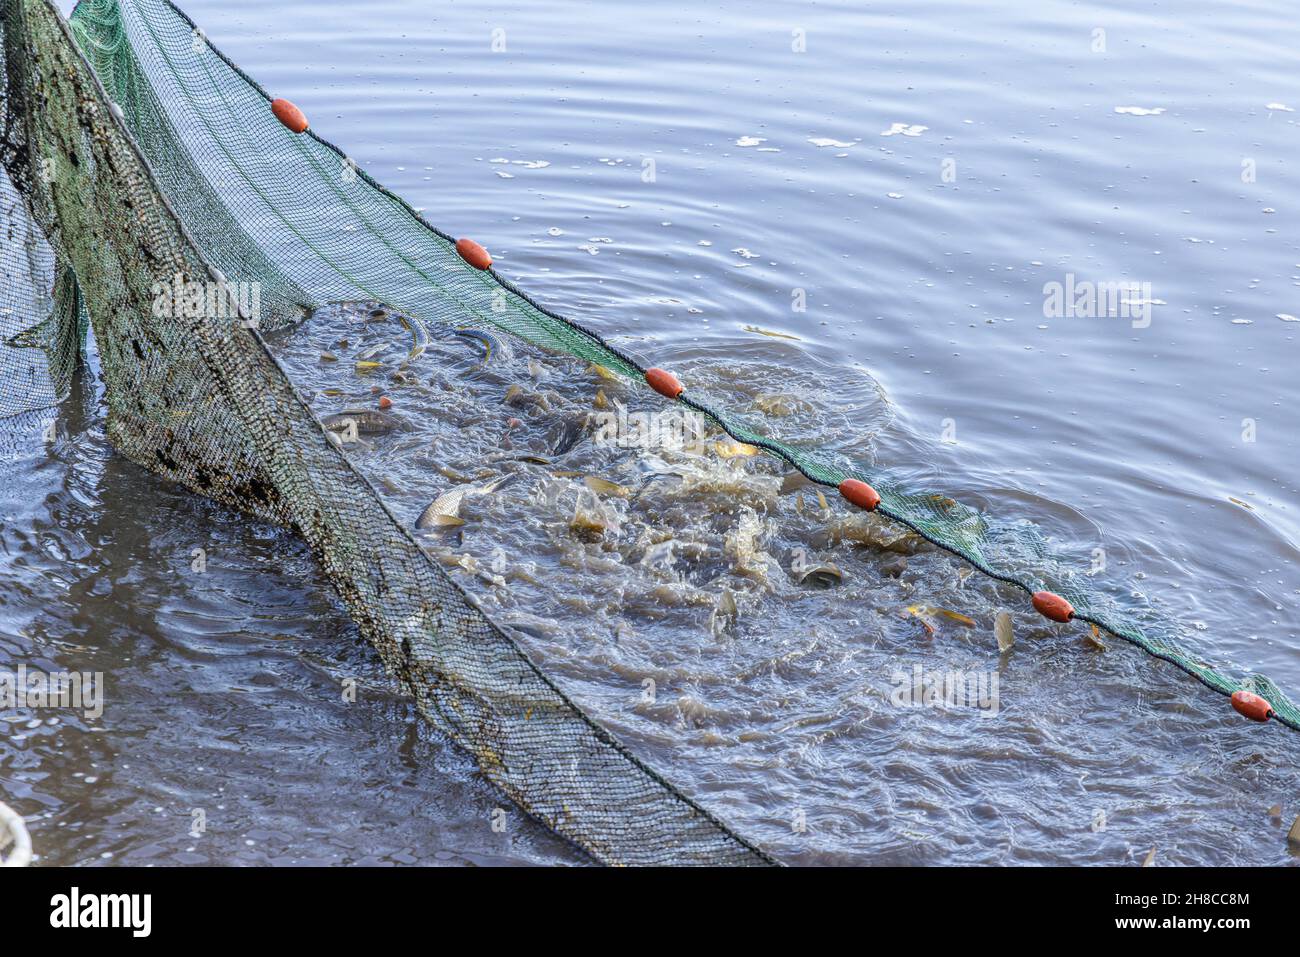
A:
(200, 400)
(205, 404)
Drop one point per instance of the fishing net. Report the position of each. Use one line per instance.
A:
(154, 159)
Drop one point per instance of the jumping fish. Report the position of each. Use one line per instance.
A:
(419, 332)
(492, 346)
(445, 509)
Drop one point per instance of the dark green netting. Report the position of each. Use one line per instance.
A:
(235, 196)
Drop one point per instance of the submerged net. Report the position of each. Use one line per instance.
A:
(156, 160)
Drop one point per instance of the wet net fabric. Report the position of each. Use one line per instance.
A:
(202, 402)
(155, 157)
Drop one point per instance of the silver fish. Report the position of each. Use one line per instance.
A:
(445, 509)
(825, 575)
(365, 421)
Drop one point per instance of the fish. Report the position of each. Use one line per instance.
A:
(825, 575)
(445, 509)
(605, 487)
(365, 421)
(1002, 631)
(566, 435)
(793, 482)
(731, 449)
(1095, 639)
(725, 613)
(492, 346)
(925, 612)
(781, 404)
(914, 611)
(519, 397)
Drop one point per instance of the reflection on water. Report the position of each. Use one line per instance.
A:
(891, 202)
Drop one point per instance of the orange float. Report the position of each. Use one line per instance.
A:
(1053, 606)
(1252, 706)
(293, 119)
(664, 382)
(473, 253)
(860, 494)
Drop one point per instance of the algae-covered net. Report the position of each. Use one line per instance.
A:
(136, 155)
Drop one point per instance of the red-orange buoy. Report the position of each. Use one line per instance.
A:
(663, 382)
(293, 118)
(860, 494)
(1252, 706)
(1053, 606)
(473, 253)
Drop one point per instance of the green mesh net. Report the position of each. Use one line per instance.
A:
(149, 155)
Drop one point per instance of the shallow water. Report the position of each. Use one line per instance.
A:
(923, 258)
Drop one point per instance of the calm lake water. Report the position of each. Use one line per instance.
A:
(679, 178)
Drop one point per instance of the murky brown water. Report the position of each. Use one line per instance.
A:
(224, 689)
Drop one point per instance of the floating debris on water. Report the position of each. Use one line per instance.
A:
(1140, 111)
(768, 332)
